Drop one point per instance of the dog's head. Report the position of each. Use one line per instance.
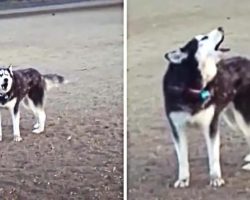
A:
(6, 79)
(203, 51)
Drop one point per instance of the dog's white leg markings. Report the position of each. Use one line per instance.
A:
(229, 118)
(40, 116)
(246, 167)
(15, 118)
(40, 125)
(16, 125)
(28, 104)
(245, 129)
(36, 125)
(213, 147)
(178, 120)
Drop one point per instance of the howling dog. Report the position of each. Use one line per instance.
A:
(199, 86)
(27, 86)
(190, 70)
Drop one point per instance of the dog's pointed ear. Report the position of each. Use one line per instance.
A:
(176, 57)
(10, 69)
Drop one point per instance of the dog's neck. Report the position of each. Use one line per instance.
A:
(4, 97)
(208, 70)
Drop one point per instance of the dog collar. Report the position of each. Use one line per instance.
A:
(195, 91)
(202, 94)
(205, 94)
(4, 96)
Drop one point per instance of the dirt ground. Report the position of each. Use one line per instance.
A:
(156, 27)
(80, 154)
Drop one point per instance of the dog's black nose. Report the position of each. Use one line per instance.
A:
(5, 80)
(220, 29)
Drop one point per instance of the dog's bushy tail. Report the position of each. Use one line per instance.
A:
(53, 80)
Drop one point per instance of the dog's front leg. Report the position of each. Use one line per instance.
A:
(212, 136)
(177, 122)
(15, 114)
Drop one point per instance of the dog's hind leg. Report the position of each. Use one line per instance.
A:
(36, 104)
(41, 116)
(229, 118)
(177, 122)
(245, 129)
(28, 104)
(212, 136)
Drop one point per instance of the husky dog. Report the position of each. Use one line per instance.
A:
(27, 86)
(190, 69)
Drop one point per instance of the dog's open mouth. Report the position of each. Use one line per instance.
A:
(4, 86)
(222, 49)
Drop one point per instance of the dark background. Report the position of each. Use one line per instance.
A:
(13, 4)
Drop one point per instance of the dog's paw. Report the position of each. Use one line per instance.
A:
(246, 167)
(217, 182)
(17, 138)
(37, 130)
(182, 183)
(247, 158)
(36, 126)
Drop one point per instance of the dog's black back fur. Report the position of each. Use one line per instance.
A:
(229, 81)
(179, 78)
(26, 82)
(232, 83)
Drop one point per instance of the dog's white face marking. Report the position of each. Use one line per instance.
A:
(208, 44)
(207, 54)
(202, 49)
(6, 79)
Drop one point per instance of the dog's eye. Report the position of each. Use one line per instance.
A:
(204, 38)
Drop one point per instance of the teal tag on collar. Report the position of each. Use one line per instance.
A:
(204, 94)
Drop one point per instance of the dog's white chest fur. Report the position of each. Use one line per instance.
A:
(10, 104)
(202, 117)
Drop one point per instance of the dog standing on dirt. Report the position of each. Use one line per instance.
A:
(27, 86)
(199, 89)
(190, 69)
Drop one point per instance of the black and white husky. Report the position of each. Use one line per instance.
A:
(190, 69)
(198, 87)
(27, 86)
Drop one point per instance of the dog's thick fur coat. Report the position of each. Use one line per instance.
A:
(27, 86)
(227, 80)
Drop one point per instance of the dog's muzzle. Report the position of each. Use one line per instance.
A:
(5, 84)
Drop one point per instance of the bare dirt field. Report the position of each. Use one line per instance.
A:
(80, 154)
(155, 27)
